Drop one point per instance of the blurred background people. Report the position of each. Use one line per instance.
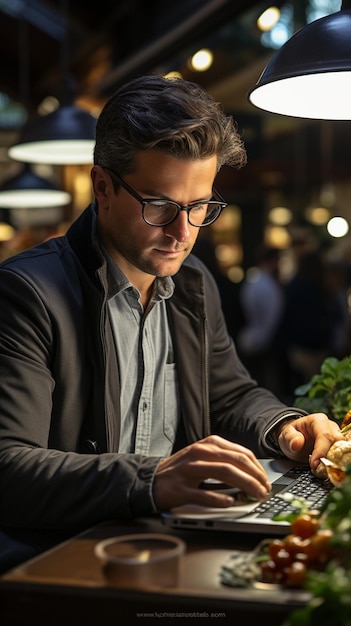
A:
(336, 285)
(205, 250)
(315, 322)
(262, 303)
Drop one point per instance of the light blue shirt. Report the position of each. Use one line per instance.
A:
(149, 396)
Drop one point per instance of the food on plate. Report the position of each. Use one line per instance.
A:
(315, 556)
(338, 456)
(287, 560)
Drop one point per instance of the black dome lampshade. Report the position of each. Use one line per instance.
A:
(27, 191)
(65, 136)
(310, 75)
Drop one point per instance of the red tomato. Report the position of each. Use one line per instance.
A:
(274, 547)
(304, 526)
(320, 548)
(269, 573)
(294, 544)
(295, 574)
(282, 559)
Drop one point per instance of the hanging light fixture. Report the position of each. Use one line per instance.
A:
(310, 75)
(28, 191)
(65, 136)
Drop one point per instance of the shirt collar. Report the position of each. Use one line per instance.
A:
(118, 282)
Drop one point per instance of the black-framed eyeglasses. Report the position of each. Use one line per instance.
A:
(161, 212)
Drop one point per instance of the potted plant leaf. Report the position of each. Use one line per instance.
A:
(329, 391)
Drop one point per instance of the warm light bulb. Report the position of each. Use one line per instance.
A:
(280, 215)
(337, 227)
(277, 236)
(312, 96)
(202, 60)
(318, 215)
(268, 18)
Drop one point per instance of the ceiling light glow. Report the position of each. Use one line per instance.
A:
(280, 215)
(202, 60)
(318, 215)
(338, 227)
(268, 18)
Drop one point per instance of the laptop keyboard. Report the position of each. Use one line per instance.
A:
(305, 485)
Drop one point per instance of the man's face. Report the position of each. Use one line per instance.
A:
(140, 249)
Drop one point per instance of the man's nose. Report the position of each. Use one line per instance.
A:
(179, 229)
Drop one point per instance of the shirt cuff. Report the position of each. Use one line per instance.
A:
(270, 439)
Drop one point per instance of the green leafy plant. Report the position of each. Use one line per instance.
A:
(331, 603)
(329, 391)
(330, 589)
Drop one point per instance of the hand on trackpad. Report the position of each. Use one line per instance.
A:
(211, 484)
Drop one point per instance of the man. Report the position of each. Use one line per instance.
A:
(120, 389)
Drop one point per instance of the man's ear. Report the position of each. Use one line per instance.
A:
(102, 185)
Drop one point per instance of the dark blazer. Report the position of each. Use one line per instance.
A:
(59, 396)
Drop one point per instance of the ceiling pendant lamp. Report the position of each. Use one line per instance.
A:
(310, 75)
(65, 136)
(29, 191)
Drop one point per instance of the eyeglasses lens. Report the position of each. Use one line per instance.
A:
(162, 213)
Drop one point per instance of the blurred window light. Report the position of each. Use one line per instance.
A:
(48, 105)
(82, 190)
(12, 114)
(235, 274)
(7, 232)
(282, 31)
(318, 215)
(338, 227)
(327, 195)
(277, 236)
(320, 8)
(229, 219)
(280, 215)
(278, 36)
(82, 182)
(201, 60)
(268, 19)
(228, 254)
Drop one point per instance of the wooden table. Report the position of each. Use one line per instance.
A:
(65, 586)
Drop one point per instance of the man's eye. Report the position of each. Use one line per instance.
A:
(162, 205)
(198, 208)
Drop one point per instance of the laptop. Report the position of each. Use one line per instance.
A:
(253, 516)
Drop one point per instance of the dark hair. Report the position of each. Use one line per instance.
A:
(172, 115)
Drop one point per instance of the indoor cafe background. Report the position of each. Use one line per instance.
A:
(297, 179)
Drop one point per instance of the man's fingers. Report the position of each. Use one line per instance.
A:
(304, 439)
(232, 475)
(178, 478)
(233, 456)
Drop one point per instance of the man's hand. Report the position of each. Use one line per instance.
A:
(179, 476)
(308, 438)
